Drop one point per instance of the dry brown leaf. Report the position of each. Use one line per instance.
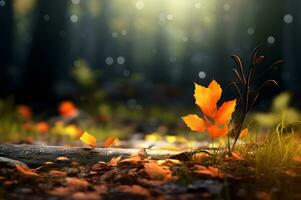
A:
(199, 157)
(133, 159)
(86, 195)
(57, 173)
(27, 172)
(62, 158)
(77, 182)
(169, 162)
(156, 171)
(211, 171)
(134, 189)
(61, 191)
(114, 161)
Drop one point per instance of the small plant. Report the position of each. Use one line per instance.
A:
(216, 119)
(243, 86)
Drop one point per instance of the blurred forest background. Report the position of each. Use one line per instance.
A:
(140, 52)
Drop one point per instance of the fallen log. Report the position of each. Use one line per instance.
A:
(36, 155)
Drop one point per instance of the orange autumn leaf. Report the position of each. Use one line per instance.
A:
(215, 120)
(217, 131)
(195, 123)
(76, 182)
(88, 139)
(42, 127)
(25, 171)
(24, 111)
(224, 113)
(68, 109)
(210, 171)
(206, 98)
(244, 133)
(156, 171)
(114, 161)
(133, 159)
(109, 142)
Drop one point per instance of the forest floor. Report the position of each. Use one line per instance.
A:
(188, 175)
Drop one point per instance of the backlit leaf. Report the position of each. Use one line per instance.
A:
(216, 131)
(109, 142)
(88, 139)
(194, 122)
(224, 113)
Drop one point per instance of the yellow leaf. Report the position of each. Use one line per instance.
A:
(244, 133)
(88, 139)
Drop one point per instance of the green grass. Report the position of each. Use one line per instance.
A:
(275, 153)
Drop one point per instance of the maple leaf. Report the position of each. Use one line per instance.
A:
(88, 139)
(215, 119)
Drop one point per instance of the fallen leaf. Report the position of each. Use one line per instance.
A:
(114, 161)
(57, 173)
(109, 142)
(85, 196)
(62, 158)
(133, 159)
(199, 157)
(157, 172)
(27, 172)
(169, 162)
(88, 139)
(211, 171)
(134, 189)
(72, 181)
